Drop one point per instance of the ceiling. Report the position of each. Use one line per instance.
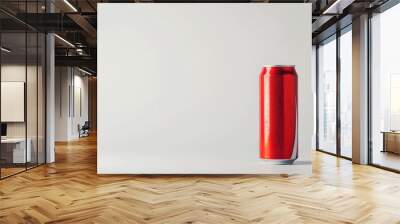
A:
(75, 21)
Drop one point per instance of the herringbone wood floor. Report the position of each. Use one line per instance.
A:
(69, 191)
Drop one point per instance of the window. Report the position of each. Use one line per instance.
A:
(385, 89)
(334, 106)
(346, 93)
(327, 96)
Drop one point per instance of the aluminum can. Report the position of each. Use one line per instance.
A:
(278, 114)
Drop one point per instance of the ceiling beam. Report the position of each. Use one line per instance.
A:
(84, 24)
(337, 7)
(83, 61)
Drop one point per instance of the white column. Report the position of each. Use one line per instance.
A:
(360, 90)
(50, 94)
(314, 90)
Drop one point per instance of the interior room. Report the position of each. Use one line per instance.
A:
(71, 100)
(385, 114)
(199, 111)
(22, 104)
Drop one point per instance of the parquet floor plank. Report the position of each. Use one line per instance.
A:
(70, 191)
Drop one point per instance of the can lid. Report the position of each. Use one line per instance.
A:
(279, 65)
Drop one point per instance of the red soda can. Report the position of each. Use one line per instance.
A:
(278, 114)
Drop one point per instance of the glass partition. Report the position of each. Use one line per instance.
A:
(33, 72)
(22, 101)
(41, 97)
(31, 99)
(14, 153)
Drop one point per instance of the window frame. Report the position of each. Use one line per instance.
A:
(334, 37)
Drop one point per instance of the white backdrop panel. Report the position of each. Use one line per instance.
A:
(178, 85)
(12, 101)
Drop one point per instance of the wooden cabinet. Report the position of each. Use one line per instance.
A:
(391, 142)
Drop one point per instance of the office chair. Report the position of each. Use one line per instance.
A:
(84, 130)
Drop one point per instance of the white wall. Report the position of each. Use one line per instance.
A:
(79, 117)
(62, 80)
(67, 117)
(178, 88)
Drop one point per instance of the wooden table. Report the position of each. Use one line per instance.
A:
(13, 150)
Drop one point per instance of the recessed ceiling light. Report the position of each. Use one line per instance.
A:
(70, 5)
(64, 40)
(5, 50)
(84, 71)
(338, 6)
